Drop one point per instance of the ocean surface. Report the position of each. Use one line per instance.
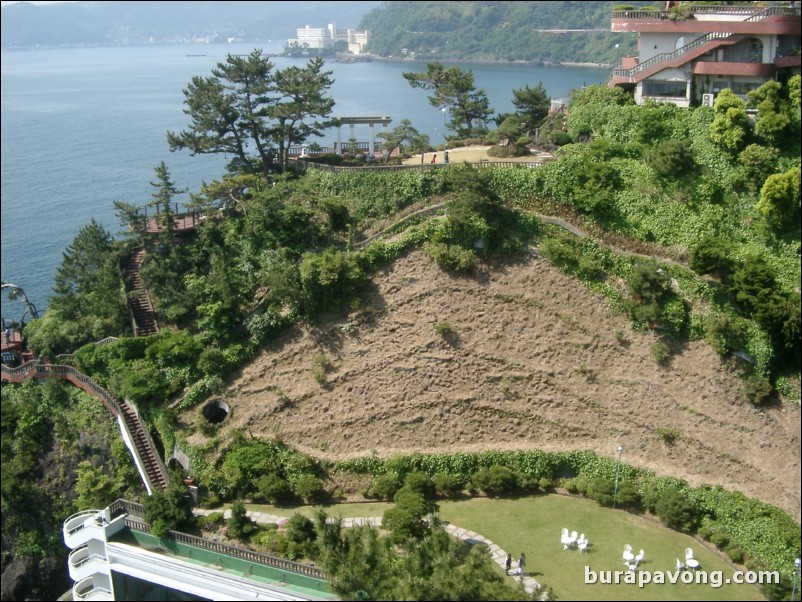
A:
(84, 127)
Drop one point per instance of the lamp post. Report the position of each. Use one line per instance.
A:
(797, 562)
(617, 472)
(444, 110)
(617, 46)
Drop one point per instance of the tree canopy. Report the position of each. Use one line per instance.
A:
(453, 88)
(247, 104)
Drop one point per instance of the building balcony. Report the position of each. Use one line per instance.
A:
(92, 589)
(730, 19)
(83, 564)
(84, 526)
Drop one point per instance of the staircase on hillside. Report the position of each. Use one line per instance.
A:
(141, 309)
(142, 442)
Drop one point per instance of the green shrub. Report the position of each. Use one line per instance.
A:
(757, 388)
(240, 525)
(273, 541)
(712, 255)
(661, 353)
(385, 486)
(420, 482)
(676, 510)
(273, 489)
(443, 329)
(495, 480)
(451, 258)
(302, 536)
(447, 485)
(668, 435)
(736, 553)
(309, 488)
(407, 518)
(720, 540)
(560, 138)
(570, 485)
(212, 521)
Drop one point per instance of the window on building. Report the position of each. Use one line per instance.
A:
(664, 89)
(742, 88)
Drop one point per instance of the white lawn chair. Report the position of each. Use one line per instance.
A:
(582, 546)
(565, 539)
(574, 537)
(680, 565)
(690, 561)
(628, 555)
(639, 557)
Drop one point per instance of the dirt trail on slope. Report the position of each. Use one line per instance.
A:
(532, 362)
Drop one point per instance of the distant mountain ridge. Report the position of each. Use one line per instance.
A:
(498, 31)
(25, 25)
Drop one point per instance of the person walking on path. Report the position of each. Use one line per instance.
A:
(508, 564)
(521, 564)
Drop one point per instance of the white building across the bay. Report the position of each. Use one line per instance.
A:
(324, 37)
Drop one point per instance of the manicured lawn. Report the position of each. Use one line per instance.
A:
(532, 525)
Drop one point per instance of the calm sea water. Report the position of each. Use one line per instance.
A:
(82, 128)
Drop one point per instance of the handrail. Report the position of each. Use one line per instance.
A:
(34, 369)
(708, 9)
(300, 165)
(249, 555)
(700, 41)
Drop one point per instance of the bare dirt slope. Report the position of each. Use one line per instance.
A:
(533, 361)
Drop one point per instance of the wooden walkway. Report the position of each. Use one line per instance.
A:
(137, 438)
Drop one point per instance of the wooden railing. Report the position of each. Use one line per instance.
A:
(40, 371)
(301, 165)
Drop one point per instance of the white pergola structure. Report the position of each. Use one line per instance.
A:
(354, 121)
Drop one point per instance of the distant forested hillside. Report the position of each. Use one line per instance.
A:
(506, 31)
(116, 23)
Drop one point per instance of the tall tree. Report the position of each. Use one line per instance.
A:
(532, 105)
(215, 127)
(163, 198)
(302, 108)
(730, 129)
(454, 89)
(249, 80)
(402, 133)
(228, 110)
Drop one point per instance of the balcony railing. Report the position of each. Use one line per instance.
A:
(86, 590)
(702, 9)
(82, 564)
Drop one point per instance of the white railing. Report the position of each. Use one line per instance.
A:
(83, 564)
(85, 589)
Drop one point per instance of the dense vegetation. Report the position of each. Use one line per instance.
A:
(499, 31)
(711, 192)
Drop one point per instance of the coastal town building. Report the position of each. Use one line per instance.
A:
(116, 557)
(325, 37)
(688, 53)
